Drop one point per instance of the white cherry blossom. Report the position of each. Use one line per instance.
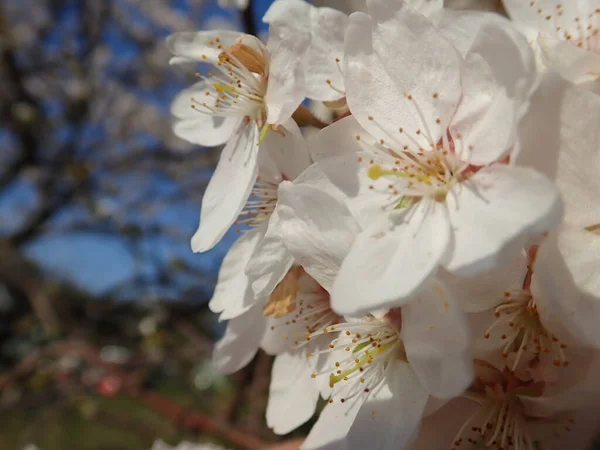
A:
(567, 148)
(298, 307)
(567, 33)
(384, 361)
(250, 97)
(429, 184)
(324, 58)
(258, 260)
(505, 406)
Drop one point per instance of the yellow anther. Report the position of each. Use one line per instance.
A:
(375, 172)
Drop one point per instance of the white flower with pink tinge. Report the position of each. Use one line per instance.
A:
(252, 95)
(567, 149)
(259, 260)
(504, 411)
(427, 176)
(324, 59)
(567, 33)
(385, 362)
(282, 325)
(382, 371)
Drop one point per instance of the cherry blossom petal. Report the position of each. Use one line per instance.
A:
(346, 177)
(461, 27)
(208, 131)
(524, 12)
(339, 138)
(233, 295)
(400, 74)
(288, 150)
(201, 45)
(317, 229)
(329, 432)
(436, 338)
(270, 260)
(198, 127)
(582, 435)
(327, 28)
(567, 282)
(390, 261)
(566, 148)
(325, 56)
(427, 7)
(438, 431)
(286, 88)
(391, 416)
(486, 290)
(495, 96)
(493, 214)
(240, 342)
(293, 393)
(575, 64)
(228, 189)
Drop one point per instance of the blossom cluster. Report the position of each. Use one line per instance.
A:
(425, 255)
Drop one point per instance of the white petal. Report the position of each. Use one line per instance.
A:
(391, 416)
(293, 393)
(436, 338)
(240, 342)
(291, 13)
(208, 131)
(270, 260)
(317, 228)
(426, 7)
(524, 12)
(199, 127)
(329, 433)
(346, 177)
(233, 295)
(286, 87)
(439, 430)
(201, 45)
(575, 64)
(493, 214)
(289, 152)
(228, 189)
(339, 138)
(566, 148)
(327, 28)
(461, 27)
(400, 73)
(390, 261)
(498, 41)
(582, 435)
(486, 290)
(494, 96)
(325, 56)
(566, 284)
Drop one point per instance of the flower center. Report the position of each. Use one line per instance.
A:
(517, 317)
(240, 86)
(412, 176)
(369, 345)
(499, 424)
(299, 307)
(260, 205)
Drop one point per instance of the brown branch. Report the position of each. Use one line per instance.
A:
(197, 420)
